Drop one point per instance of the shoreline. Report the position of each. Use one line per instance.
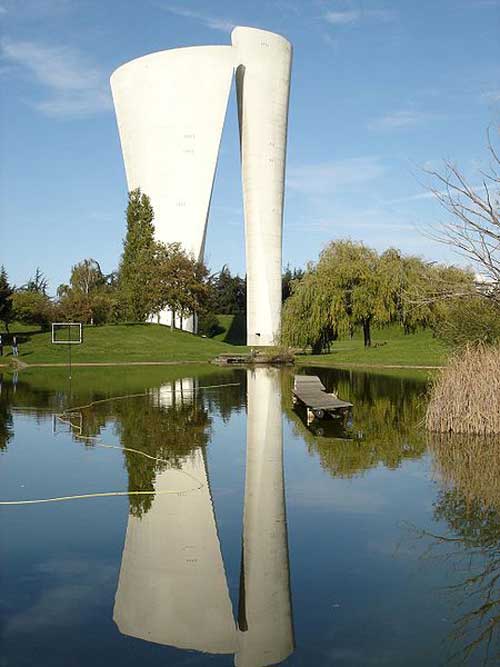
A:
(310, 362)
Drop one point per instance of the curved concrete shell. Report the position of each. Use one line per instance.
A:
(263, 85)
(170, 107)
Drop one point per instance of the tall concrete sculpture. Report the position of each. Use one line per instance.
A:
(170, 108)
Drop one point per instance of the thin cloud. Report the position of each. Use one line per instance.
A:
(325, 177)
(354, 16)
(398, 119)
(492, 96)
(210, 21)
(429, 195)
(33, 10)
(75, 87)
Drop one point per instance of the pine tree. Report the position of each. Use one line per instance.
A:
(6, 292)
(138, 258)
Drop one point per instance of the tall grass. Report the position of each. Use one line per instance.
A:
(465, 396)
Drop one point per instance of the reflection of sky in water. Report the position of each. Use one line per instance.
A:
(364, 587)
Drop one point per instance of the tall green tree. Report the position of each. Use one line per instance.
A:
(137, 266)
(6, 292)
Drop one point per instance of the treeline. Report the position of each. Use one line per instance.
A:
(353, 287)
(152, 276)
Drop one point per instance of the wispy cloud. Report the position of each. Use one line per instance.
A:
(325, 177)
(399, 119)
(208, 20)
(484, 4)
(355, 15)
(430, 195)
(491, 96)
(75, 87)
(33, 10)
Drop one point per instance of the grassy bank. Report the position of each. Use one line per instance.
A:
(390, 347)
(118, 343)
(147, 343)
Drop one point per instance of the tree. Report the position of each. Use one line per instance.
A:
(179, 282)
(6, 292)
(90, 296)
(37, 283)
(287, 279)
(474, 225)
(137, 272)
(32, 307)
(348, 272)
(230, 293)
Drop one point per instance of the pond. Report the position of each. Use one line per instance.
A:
(214, 525)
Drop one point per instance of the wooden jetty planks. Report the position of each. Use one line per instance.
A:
(310, 390)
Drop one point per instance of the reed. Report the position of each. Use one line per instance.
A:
(465, 396)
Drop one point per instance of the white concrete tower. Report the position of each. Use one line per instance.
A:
(263, 85)
(265, 635)
(172, 588)
(170, 107)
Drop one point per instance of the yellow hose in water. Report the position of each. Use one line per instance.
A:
(97, 443)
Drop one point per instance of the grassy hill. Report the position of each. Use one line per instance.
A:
(155, 343)
(233, 329)
(117, 343)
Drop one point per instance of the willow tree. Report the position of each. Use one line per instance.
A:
(306, 315)
(350, 287)
(349, 281)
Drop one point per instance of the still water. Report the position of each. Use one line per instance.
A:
(239, 533)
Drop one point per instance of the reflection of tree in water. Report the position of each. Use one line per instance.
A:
(169, 434)
(469, 503)
(6, 430)
(386, 422)
(231, 399)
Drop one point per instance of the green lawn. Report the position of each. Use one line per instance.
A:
(152, 342)
(234, 329)
(117, 343)
(390, 347)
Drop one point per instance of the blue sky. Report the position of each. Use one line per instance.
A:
(380, 90)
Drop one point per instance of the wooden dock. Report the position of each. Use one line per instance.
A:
(310, 391)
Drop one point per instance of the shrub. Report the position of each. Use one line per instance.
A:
(469, 321)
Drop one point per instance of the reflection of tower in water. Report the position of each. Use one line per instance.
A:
(172, 588)
(265, 610)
